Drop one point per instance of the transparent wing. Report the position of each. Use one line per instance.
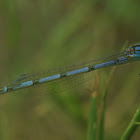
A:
(64, 84)
(32, 76)
(58, 86)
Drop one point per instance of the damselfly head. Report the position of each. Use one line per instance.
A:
(133, 52)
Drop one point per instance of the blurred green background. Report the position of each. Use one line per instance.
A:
(41, 34)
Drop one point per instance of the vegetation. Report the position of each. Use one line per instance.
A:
(42, 34)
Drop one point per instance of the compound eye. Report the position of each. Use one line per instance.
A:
(131, 50)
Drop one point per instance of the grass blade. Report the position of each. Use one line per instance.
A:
(132, 126)
(92, 126)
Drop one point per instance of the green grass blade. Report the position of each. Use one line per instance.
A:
(102, 102)
(92, 126)
(92, 120)
(104, 85)
(132, 126)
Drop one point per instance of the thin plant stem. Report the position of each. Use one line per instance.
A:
(104, 85)
(97, 118)
(101, 112)
(92, 120)
(92, 126)
(135, 122)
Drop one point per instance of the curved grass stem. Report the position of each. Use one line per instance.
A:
(135, 122)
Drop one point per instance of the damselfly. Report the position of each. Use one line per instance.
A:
(28, 80)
